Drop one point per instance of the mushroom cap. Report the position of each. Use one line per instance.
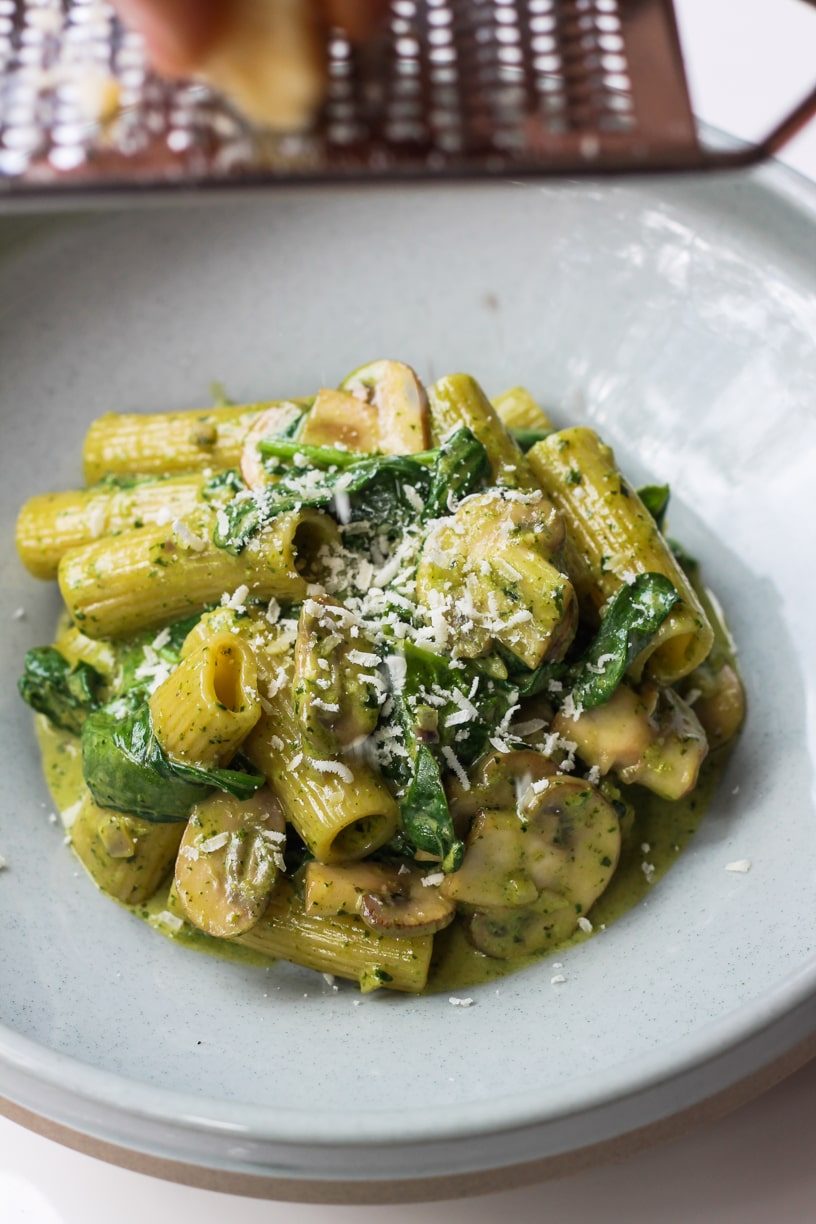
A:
(228, 862)
(416, 909)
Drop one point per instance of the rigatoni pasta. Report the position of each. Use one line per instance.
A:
(140, 579)
(50, 525)
(382, 676)
(611, 537)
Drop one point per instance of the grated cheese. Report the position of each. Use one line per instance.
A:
(430, 881)
(235, 601)
(455, 766)
(216, 842)
(585, 925)
(333, 767)
(741, 866)
(18, 614)
(457, 1002)
(187, 538)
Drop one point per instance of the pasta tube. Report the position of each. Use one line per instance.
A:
(158, 574)
(340, 808)
(342, 945)
(487, 570)
(207, 707)
(161, 443)
(49, 525)
(127, 857)
(611, 538)
(517, 409)
(457, 399)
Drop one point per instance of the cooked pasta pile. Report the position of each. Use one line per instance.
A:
(358, 667)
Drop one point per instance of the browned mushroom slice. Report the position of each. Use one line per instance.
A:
(228, 862)
(498, 780)
(671, 764)
(335, 889)
(402, 405)
(416, 908)
(276, 420)
(339, 417)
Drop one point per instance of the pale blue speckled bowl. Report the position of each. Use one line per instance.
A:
(678, 317)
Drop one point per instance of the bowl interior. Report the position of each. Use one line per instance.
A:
(679, 320)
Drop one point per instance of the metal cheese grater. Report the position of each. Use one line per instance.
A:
(451, 88)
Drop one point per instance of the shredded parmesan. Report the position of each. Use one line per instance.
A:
(741, 866)
(216, 842)
(333, 767)
(585, 925)
(457, 1002)
(430, 881)
(187, 538)
(455, 766)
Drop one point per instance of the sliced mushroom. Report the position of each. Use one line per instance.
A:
(402, 405)
(551, 866)
(274, 421)
(505, 934)
(336, 707)
(416, 908)
(228, 862)
(614, 735)
(498, 780)
(720, 706)
(495, 869)
(671, 764)
(391, 900)
(335, 889)
(339, 417)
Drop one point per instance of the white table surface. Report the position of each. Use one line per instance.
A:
(755, 1166)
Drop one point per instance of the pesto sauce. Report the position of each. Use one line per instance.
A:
(667, 828)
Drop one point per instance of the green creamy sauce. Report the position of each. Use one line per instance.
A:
(665, 826)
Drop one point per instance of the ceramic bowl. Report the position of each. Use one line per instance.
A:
(678, 317)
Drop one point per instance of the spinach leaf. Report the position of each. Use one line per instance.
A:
(223, 482)
(631, 621)
(527, 438)
(656, 500)
(426, 820)
(491, 700)
(375, 489)
(688, 564)
(65, 694)
(125, 768)
(461, 467)
(319, 456)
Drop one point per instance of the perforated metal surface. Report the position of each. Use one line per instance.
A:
(451, 87)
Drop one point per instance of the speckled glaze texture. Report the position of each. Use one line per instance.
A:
(678, 318)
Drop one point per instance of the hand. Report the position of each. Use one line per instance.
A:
(181, 33)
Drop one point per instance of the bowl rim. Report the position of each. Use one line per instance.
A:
(36, 1067)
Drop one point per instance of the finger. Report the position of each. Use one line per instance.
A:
(178, 33)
